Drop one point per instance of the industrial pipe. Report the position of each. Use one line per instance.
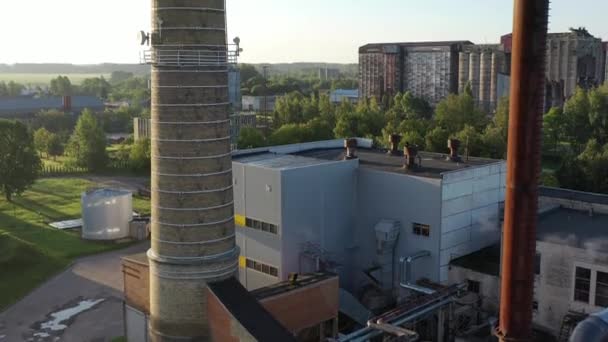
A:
(407, 264)
(523, 169)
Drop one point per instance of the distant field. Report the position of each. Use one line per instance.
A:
(42, 79)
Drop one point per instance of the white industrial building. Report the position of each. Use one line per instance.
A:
(305, 207)
(571, 278)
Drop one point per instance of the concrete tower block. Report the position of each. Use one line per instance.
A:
(474, 66)
(463, 71)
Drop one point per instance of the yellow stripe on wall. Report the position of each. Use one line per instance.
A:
(239, 220)
(242, 262)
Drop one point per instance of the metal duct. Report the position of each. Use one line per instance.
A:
(192, 223)
(594, 328)
(406, 267)
(387, 234)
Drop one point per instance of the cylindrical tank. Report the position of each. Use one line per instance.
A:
(498, 59)
(485, 76)
(106, 214)
(474, 74)
(463, 71)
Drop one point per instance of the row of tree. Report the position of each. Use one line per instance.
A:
(575, 137)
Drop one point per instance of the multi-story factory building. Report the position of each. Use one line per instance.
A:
(426, 69)
(432, 70)
(316, 206)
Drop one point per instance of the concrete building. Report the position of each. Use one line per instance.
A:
(606, 62)
(574, 59)
(301, 208)
(259, 103)
(234, 89)
(481, 66)
(339, 95)
(426, 69)
(571, 264)
(141, 129)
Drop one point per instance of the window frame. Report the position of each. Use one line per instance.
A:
(421, 229)
(260, 267)
(590, 281)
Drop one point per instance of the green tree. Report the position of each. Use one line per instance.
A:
(97, 86)
(3, 89)
(87, 145)
(61, 86)
(55, 146)
(248, 72)
(140, 155)
(42, 140)
(470, 140)
(437, 140)
(493, 140)
(456, 111)
(19, 162)
(598, 113)
(554, 129)
(250, 137)
(576, 112)
(120, 76)
(14, 89)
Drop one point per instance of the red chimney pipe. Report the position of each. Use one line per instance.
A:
(67, 103)
(523, 164)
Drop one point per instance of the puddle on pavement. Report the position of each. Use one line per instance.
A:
(60, 320)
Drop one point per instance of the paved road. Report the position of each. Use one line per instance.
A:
(86, 300)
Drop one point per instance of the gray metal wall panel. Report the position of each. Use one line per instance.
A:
(238, 175)
(318, 207)
(262, 189)
(408, 199)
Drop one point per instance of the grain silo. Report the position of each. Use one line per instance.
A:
(463, 71)
(106, 214)
(193, 240)
(474, 74)
(485, 76)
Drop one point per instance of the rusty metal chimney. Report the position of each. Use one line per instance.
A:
(351, 148)
(193, 237)
(454, 145)
(410, 152)
(523, 169)
(394, 140)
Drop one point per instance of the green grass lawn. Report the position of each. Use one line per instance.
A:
(30, 250)
(45, 79)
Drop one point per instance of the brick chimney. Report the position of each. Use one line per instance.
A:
(67, 103)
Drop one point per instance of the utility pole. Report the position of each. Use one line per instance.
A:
(266, 119)
(523, 169)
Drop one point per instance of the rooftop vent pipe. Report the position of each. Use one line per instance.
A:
(410, 152)
(405, 266)
(454, 145)
(394, 140)
(351, 148)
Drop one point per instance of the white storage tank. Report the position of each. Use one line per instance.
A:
(106, 214)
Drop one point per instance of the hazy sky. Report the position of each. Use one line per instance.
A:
(87, 31)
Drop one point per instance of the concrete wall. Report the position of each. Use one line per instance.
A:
(318, 210)
(555, 294)
(489, 286)
(470, 202)
(137, 285)
(407, 199)
(430, 74)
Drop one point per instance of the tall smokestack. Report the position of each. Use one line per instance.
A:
(193, 241)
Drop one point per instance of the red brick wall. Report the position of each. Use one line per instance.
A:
(306, 307)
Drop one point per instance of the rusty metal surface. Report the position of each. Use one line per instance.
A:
(523, 164)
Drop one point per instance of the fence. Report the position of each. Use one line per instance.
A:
(62, 170)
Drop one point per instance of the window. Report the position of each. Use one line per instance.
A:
(473, 286)
(601, 289)
(535, 306)
(582, 284)
(262, 226)
(421, 229)
(262, 268)
(537, 264)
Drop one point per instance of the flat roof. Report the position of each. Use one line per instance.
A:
(574, 228)
(433, 164)
(429, 44)
(561, 226)
(279, 161)
(303, 280)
